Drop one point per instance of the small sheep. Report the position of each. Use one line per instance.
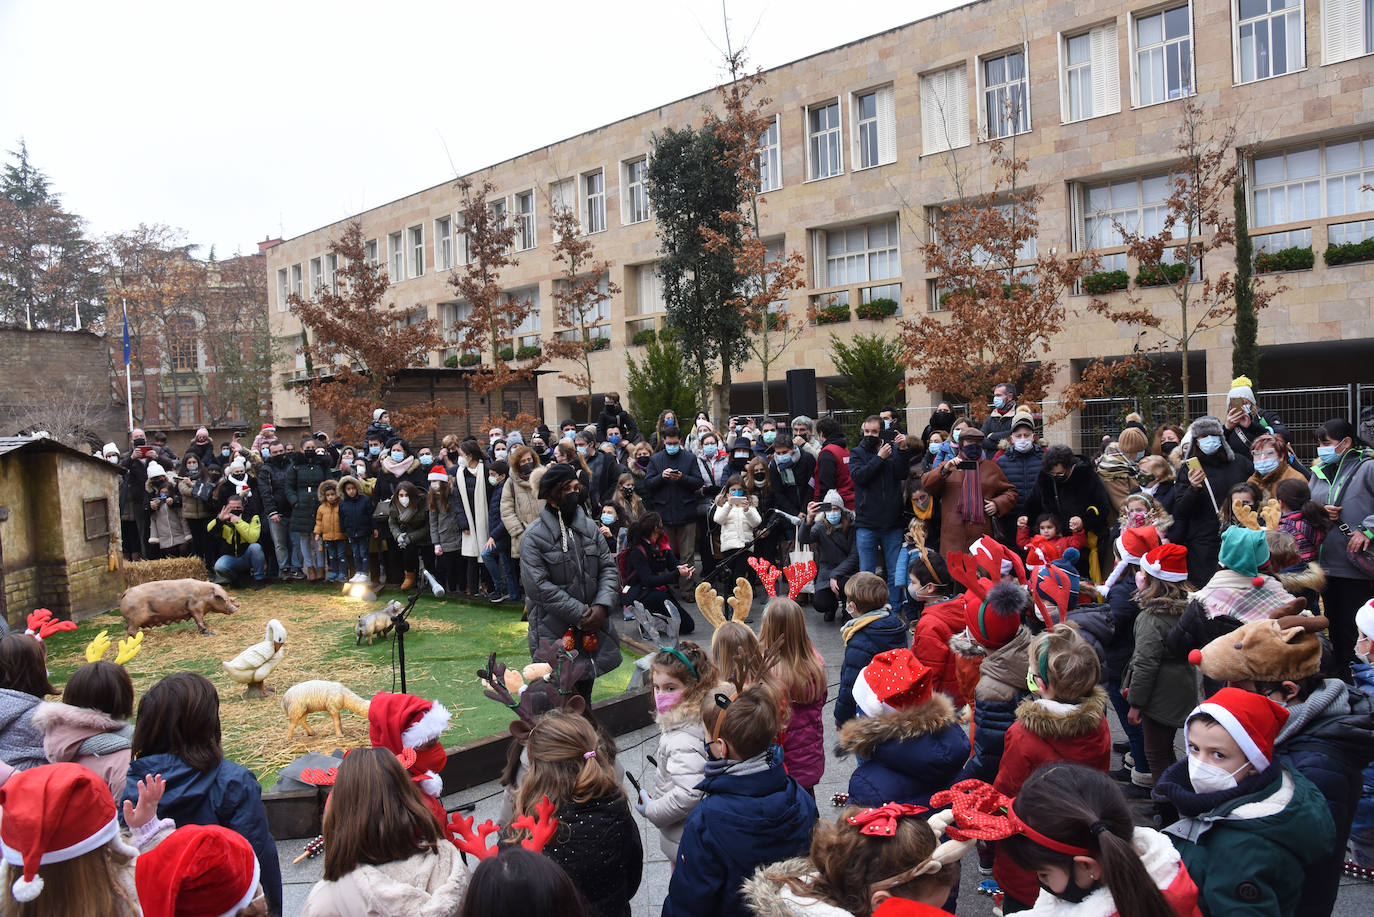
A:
(374, 624)
(309, 697)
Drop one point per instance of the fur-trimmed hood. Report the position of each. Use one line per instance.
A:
(1310, 577)
(350, 479)
(766, 896)
(319, 491)
(1206, 425)
(67, 731)
(863, 735)
(1054, 720)
(1164, 606)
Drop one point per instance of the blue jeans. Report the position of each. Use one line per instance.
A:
(336, 555)
(303, 546)
(890, 540)
(1134, 734)
(502, 569)
(358, 548)
(252, 559)
(288, 558)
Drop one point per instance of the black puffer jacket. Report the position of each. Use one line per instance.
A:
(303, 481)
(836, 548)
(1081, 495)
(272, 485)
(1196, 522)
(1022, 469)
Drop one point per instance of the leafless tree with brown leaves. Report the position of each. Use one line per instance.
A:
(577, 295)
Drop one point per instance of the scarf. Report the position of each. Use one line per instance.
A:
(240, 483)
(1175, 786)
(405, 513)
(396, 468)
(1115, 465)
(971, 497)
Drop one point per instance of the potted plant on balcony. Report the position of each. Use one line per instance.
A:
(642, 337)
(877, 309)
(832, 314)
(527, 352)
(1349, 252)
(469, 359)
(1159, 275)
(1101, 282)
(1297, 258)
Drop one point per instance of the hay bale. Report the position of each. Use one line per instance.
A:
(138, 572)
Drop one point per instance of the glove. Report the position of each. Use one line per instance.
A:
(644, 800)
(402, 540)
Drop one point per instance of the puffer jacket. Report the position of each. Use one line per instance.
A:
(930, 644)
(1095, 626)
(1160, 684)
(443, 526)
(681, 767)
(303, 481)
(1047, 731)
(566, 567)
(355, 515)
(87, 737)
(1356, 490)
(1022, 469)
(904, 756)
(415, 526)
(166, 526)
(1000, 687)
(737, 524)
(329, 518)
(836, 548)
(21, 741)
(272, 485)
(803, 746)
(1121, 602)
(877, 485)
(767, 894)
(1195, 516)
(865, 637)
(1329, 738)
(428, 884)
(597, 843)
(192, 507)
(520, 506)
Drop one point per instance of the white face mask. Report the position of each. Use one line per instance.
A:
(493, 480)
(1023, 445)
(1151, 489)
(403, 500)
(1208, 778)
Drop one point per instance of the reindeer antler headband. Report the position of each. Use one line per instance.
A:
(474, 840)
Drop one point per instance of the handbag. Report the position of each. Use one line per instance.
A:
(203, 491)
(382, 510)
(801, 554)
(1362, 561)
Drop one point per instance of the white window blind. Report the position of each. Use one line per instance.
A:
(769, 160)
(875, 128)
(561, 195)
(443, 244)
(283, 289)
(1345, 29)
(1106, 76)
(944, 110)
(397, 257)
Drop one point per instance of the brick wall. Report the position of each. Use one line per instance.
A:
(27, 375)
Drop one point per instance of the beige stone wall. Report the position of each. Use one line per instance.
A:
(1318, 102)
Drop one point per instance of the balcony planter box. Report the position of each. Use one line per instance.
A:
(1285, 259)
(599, 343)
(508, 353)
(1158, 275)
(525, 353)
(451, 362)
(1101, 282)
(877, 309)
(469, 359)
(669, 334)
(1350, 253)
(832, 315)
(641, 338)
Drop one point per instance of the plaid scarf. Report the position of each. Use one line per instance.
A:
(1232, 594)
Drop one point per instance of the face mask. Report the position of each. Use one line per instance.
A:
(670, 421)
(1149, 489)
(425, 460)
(833, 517)
(784, 460)
(266, 452)
(374, 451)
(608, 518)
(433, 485)
(493, 480)
(1326, 454)
(1265, 466)
(500, 454)
(568, 435)
(1209, 444)
(569, 504)
(1140, 579)
(583, 451)
(870, 443)
(361, 469)
(642, 461)
(666, 700)
(933, 448)
(1137, 518)
(1167, 446)
(114, 459)
(1208, 778)
(672, 448)
(710, 450)
(887, 425)
(999, 402)
(397, 456)
(613, 439)
(526, 468)
(769, 436)
(1023, 445)
(224, 453)
(140, 441)
(192, 468)
(432, 758)
(971, 450)
(1072, 893)
(628, 492)
(403, 500)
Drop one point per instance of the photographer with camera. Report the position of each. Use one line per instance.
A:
(973, 494)
(166, 527)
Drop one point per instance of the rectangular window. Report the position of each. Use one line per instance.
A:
(1269, 38)
(944, 110)
(648, 290)
(95, 516)
(187, 414)
(443, 244)
(331, 272)
(181, 344)
(1124, 207)
(297, 281)
(857, 254)
(1326, 180)
(283, 290)
(823, 140)
(875, 128)
(769, 160)
(1078, 78)
(594, 201)
(1347, 29)
(316, 276)
(527, 332)
(417, 251)
(562, 196)
(397, 257)
(524, 221)
(370, 252)
(636, 185)
(1163, 55)
(1089, 85)
(1006, 98)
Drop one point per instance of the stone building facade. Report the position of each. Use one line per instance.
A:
(867, 139)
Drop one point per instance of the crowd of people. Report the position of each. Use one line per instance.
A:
(1001, 600)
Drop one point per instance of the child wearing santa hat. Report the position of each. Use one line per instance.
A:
(401, 721)
(1249, 826)
(201, 871)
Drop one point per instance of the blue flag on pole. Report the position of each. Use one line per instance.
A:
(126, 337)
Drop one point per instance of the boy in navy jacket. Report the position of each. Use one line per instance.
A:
(873, 628)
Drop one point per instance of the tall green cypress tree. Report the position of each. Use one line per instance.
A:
(1245, 356)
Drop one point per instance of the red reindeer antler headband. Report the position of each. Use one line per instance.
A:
(474, 840)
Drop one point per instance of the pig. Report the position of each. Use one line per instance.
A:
(374, 624)
(168, 601)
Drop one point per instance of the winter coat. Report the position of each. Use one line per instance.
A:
(597, 843)
(674, 500)
(1022, 469)
(1196, 521)
(803, 747)
(443, 525)
(355, 515)
(766, 893)
(1161, 685)
(423, 885)
(496, 528)
(1081, 495)
(1304, 580)
(228, 795)
(930, 644)
(303, 481)
(1165, 867)
(1354, 490)
(1239, 438)
(878, 486)
(87, 737)
(565, 568)
(673, 792)
(1000, 686)
(328, 524)
(415, 526)
(996, 428)
(1046, 731)
(469, 509)
(792, 487)
(1195, 629)
(1329, 739)
(866, 636)
(1095, 626)
(1123, 607)
(832, 472)
(649, 568)
(904, 756)
(166, 526)
(193, 507)
(1285, 472)
(387, 482)
(737, 524)
(752, 814)
(1247, 847)
(272, 485)
(616, 416)
(236, 536)
(520, 506)
(21, 741)
(835, 548)
(956, 534)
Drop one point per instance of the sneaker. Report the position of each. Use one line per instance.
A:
(297, 574)
(499, 599)
(985, 858)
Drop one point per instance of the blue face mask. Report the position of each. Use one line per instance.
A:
(265, 450)
(999, 402)
(670, 421)
(1209, 444)
(607, 518)
(582, 451)
(424, 459)
(397, 456)
(833, 517)
(784, 460)
(613, 439)
(374, 451)
(1326, 454)
(224, 453)
(769, 436)
(933, 448)
(672, 448)
(1265, 466)
(709, 450)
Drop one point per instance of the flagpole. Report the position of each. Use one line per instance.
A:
(128, 376)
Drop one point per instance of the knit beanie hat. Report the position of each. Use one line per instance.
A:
(1241, 388)
(1168, 562)
(377, 414)
(1069, 564)
(893, 680)
(995, 620)
(1132, 441)
(109, 449)
(54, 813)
(556, 474)
(833, 498)
(439, 474)
(1244, 551)
(197, 871)
(1132, 544)
(155, 470)
(1253, 720)
(1022, 418)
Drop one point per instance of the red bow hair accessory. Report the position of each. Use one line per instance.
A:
(976, 812)
(882, 821)
(474, 840)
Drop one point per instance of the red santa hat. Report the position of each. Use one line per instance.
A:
(1168, 562)
(1042, 551)
(439, 474)
(1253, 720)
(268, 428)
(197, 871)
(401, 721)
(893, 680)
(1132, 544)
(996, 558)
(55, 813)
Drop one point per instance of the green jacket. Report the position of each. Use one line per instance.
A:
(1161, 685)
(1248, 855)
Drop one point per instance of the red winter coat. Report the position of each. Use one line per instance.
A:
(930, 644)
(1040, 736)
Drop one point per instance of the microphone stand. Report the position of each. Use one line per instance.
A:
(401, 625)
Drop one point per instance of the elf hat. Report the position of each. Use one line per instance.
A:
(1050, 584)
(197, 871)
(399, 721)
(439, 474)
(1244, 551)
(268, 428)
(54, 813)
(1132, 544)
(1168, 562)
(995, 620)
(1253, 720)
(1364, 619)
(893, 680)
(1042, 551)
(1241, 388)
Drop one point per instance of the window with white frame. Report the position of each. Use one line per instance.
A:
(283, 289)
(1006, 95)
(331, 272)
(316, 276)
(417, 251)
(635, 181)
(769, 160)
(823, 155)
(1269, 38)
(497, 208)
(298, 281)
(944, 110)
(1347, 29)
(648, 290)
(1163, 55)
(562, 195)
(1089, 84)
(1124, 207)
(875, 128)
(370, 252)
(451, 315)
(396, 257)
(443, 244)
(594, 201)
(1309, 183)
(524, 221)
(774, 253)
(527, 332)
(857, 254)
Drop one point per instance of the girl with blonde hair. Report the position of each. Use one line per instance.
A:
(799, 676)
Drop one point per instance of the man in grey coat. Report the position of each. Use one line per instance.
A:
(569, 576)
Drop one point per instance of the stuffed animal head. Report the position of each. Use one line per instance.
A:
(1283, 647)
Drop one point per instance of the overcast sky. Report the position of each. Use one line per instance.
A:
(244, 120)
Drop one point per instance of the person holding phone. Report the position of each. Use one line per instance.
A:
(974, 494)
(878, 470)
(1210, 468)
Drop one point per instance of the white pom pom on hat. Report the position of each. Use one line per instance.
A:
(53, 813)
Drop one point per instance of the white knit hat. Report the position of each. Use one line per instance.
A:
(155, 470)
(1240, 388)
